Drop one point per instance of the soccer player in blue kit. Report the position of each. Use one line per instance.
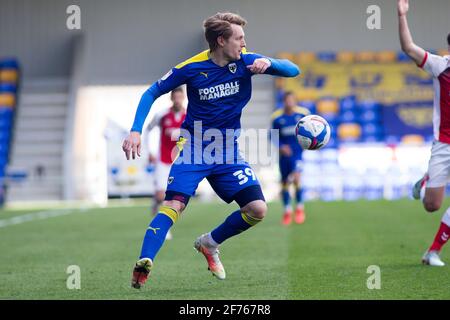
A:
(290, 158)
(218, 83)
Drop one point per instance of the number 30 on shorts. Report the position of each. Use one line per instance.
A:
(243, 175)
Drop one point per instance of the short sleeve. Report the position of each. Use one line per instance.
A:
(434, 64)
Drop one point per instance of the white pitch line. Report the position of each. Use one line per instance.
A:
(41, 215)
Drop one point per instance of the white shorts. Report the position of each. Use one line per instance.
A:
(439, 165)
(162, 171)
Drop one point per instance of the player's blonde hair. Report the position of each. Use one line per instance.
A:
(220, 25)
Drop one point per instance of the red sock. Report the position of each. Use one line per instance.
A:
(441, 237)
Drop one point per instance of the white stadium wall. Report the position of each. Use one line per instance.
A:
(138, 40)
(129, 44)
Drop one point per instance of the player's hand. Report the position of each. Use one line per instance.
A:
(132, 145)
(403, 7)
(259, 65)
(285, 150)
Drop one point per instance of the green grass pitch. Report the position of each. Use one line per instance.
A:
(325, 258)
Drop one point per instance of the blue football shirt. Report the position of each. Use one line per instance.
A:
(216, 95)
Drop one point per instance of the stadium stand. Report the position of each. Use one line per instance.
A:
(380, 102)
(9, 83)
(35, 167)
(363, 95)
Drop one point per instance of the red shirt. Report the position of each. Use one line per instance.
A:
(439, 68)
(169, 123)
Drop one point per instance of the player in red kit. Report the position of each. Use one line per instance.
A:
(431, 188)
(169, 123)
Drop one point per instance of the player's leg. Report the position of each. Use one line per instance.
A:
(431, 187)
(162, 171)
(432, 201)
(245, 217)
(286, 199)
(285, 171)
(232, 183)
(154, 238)
(181, 185)
(433, 196)
(431, 257)
(300, 208)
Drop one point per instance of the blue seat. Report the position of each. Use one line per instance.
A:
(326, 56)
(392, 139)
(372, 128)
(4, 148)
(331, 117)
(349, 116)
(4, 138)
(17, 175)
(372, 138)
(347, 103)
(6, 113)
(8, 87)
(9, 63)
(369, 116)
(403, 57)
(3, 159)
(369, 105)
(5, 124)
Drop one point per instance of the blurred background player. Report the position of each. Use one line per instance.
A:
(290, 158)
(218, 84)
(169, 123)
(431, 188)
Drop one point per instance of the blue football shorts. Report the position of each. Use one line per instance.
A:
(234, 181)
(289, 165)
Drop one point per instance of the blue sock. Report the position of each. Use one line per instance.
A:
(156, 232)
(234, 224)
(286, 196)
(299, 195)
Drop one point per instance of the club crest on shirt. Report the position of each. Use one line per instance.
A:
(170, 180)
(232, 67)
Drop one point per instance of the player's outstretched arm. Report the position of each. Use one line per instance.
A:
(276, 67)
(408, 46)
(132, 144)
(144, 106)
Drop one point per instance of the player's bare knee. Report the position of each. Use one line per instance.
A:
(296, 180)
(257, 209)
(431, 205)
(175, 204)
